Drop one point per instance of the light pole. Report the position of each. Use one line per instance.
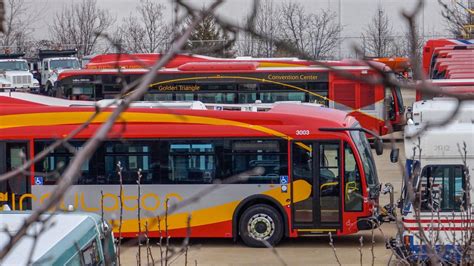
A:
(340, 30)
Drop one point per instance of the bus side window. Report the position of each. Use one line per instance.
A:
(132, 156)
(267, 159)
(352, 183)
(319, 92)
(442, 188)
(53, 165)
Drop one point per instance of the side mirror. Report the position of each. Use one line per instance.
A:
(378, 145)
(394, 155)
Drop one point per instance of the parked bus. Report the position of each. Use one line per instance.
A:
(70, 238)
(429, 55)
(248, 80)
(440, 181)
(454, 86)
(310, 168)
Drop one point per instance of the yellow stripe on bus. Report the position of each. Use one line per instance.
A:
(67, 118)
(216, 214)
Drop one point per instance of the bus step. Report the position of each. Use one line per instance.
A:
(315, 232)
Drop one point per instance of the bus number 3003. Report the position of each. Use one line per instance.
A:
(302, 132)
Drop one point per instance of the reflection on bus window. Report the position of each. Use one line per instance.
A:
(270, 97)
(191, 163)
(159, 97)
(217, 97)
(55, 163)
(352, 182)
(319, 92)
(184, 96)
(132, 158)
(302, 168)
(172, 161)
(247, 97)
(329, 182)
(442, 188)
(267, 158)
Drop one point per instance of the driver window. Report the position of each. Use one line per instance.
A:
(352, 183)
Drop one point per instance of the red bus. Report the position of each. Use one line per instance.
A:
(429, 55)
(246, 80)
(442, 64)
(456, 86)
(310, 168)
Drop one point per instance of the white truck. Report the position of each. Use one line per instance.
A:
(15, 75)
(53, 62)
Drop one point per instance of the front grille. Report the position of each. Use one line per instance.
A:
(26, 79)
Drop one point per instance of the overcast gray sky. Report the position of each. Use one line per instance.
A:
(355, 13)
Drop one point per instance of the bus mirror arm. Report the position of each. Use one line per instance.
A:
(378, 143)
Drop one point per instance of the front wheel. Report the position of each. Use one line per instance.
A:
(260, 225)
(49, 89)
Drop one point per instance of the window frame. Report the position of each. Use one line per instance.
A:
(452, 177)
(359, 168)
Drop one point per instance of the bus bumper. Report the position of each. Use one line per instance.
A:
(368, 223)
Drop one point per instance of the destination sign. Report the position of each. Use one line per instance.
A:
(180, 87)
(292, 77)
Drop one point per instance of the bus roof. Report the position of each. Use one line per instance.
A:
(453, 53)
(432, 45)
(443, 143)
(282, 121)
(130, 61)
(449, 82)
(455, 71)
(463, 75)
(229, 66)
(439, 109)
(67, 231)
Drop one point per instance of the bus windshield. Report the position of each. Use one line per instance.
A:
(14, 65)
(65, 64)
(363, 147)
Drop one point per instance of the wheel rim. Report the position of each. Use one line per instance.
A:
(261, 226)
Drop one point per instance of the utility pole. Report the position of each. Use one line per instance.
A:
(340, 32)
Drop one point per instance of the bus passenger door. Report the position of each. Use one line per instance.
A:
(12, 155)
(316, 190)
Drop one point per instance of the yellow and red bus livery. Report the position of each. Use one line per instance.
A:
(313, 170)
(240, 81)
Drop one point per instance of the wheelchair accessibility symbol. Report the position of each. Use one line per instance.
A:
(283, 180)
(38, 180)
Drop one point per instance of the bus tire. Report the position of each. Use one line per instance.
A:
(259, 225)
